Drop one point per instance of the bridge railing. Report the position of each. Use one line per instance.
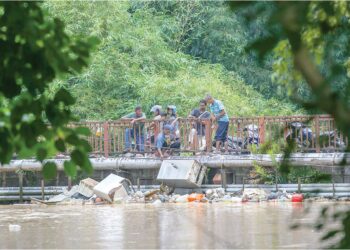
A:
(310, 133)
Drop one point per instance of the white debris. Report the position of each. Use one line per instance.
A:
(14, 228)
(139, 194)
(86, 187)
(182, 198)
(157, 202)
(111, 187)
(254, 194)
(236, 199)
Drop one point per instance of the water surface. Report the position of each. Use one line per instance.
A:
(188, 225)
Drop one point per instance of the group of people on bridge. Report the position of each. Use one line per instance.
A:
(169, 136)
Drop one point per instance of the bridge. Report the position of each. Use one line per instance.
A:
(318, 144)
(317, 134)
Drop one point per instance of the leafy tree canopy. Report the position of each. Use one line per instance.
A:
(34, 50)
(139, 61)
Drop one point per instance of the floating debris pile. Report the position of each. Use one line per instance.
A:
(116, 190)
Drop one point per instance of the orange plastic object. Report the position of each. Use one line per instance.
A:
(297, 197)
(195, 197)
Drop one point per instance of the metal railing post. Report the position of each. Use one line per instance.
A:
(4, 179)
(42, 189)
(317, 128)
(20, 184)
(69, 183)
(276, 179)
(208, 135)
(105, 139)
(261, 130)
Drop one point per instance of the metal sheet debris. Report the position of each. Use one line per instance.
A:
(86, 187)
(110, 187)
(181, 173)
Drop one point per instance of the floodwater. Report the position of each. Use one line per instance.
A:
(187, 225)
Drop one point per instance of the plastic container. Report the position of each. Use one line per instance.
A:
(297, 197)
(195, 197)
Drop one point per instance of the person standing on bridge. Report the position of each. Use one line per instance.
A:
(156, 124)
(136, 131)
(197, 134)
(219, 114)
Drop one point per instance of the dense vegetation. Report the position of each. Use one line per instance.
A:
(310, 43)
(164, 53)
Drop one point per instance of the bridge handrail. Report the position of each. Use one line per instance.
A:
(318, 133)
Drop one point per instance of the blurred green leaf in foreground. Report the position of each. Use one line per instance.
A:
(35, 50)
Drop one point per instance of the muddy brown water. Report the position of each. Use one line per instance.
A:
(188, 225)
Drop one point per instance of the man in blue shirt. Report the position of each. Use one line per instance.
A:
(167, 139)
(219, 114)
(137, 122)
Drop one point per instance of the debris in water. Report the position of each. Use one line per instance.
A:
(195, 197)
(181, 173)
(254, 194)
(14, 228)
(157, 202)
(86, 187)
(111, 187)
(182, 198)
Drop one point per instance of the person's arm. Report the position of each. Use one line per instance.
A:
(174, 122)
(205, 116)
(222, 111)
(221, 114)
(140, 119)
(127, 117)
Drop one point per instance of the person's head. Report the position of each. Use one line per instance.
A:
(202, 105)
(167, 129)
(209, 99)
(171, 110)
(138, 111)
(163, 115)
(156, 110)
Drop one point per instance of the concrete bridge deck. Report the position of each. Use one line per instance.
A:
(322, 160)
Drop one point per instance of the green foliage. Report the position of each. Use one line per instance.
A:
(313, 38)
(34, 50)
(139, 62)
(267, 175)
(210, 31)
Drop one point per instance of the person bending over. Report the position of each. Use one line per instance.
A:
(166, 141)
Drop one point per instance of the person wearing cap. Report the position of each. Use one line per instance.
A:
(219, 114)
(136, 132)
(166, 140)
(156, 110)
(173, 119)
(156, 125)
